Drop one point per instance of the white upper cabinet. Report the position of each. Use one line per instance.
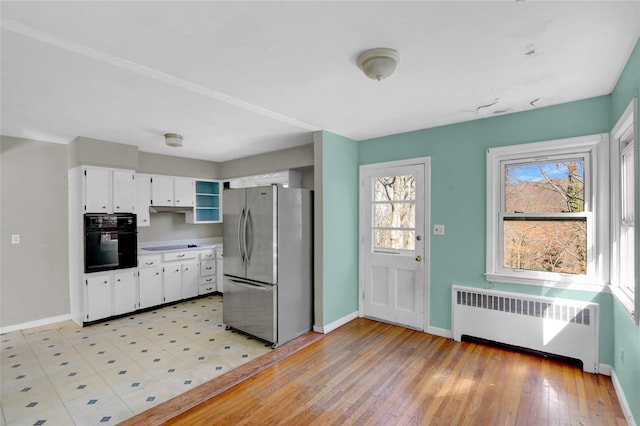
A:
(97, 190)
(143, 199)
(184, 192)
(124, 191)
(109, 190)
(172, 191)
(161, 190)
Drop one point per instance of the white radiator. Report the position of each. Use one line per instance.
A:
(557, 326)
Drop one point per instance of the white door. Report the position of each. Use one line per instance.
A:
(394, 244)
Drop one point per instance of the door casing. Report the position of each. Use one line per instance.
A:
(426, 161)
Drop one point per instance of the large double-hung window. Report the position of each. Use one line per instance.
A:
(546, 222)
(624, 232)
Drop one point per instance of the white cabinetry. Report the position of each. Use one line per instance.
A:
(150, 281)
(172, 191)
(125, 292)
(207, 272)
(172, 282)
(161, 191)
(190, 279)
(143, 199)
(180, 275)
(98, 296)
(184, 192)
(108, 190)
(110, 293)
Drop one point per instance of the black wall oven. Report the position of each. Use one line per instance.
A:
(110, 242)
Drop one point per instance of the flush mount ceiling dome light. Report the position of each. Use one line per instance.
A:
(379, 63)
(173, 139)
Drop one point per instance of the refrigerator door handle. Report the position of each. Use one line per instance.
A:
(249, 285)
(240, 236)
(247, 245)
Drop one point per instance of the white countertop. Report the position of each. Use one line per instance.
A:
(160, 247)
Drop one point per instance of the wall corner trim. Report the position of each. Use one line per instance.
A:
(626, 409)
(336, 324)
(35, 323)
(442, 332)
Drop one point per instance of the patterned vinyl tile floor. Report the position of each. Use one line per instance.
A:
(64, 374)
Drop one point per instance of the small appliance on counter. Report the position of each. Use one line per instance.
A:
(268, 263)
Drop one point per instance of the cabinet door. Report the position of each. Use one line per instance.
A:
(162, 191)
(172, 281)
(98, 297)
(124, 191)
(125, 295)
(150, 284)
(190, 279)
(143, 199)
(97, 190)
(184, 192)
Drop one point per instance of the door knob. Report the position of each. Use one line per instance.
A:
(419, 237)
(418, 258)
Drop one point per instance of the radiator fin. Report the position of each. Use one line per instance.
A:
(524, 306)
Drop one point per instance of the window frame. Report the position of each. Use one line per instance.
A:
(595, 150)
(626, 129)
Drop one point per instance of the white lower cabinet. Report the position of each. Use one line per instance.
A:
(125, 294)
(150, 285)
(189, 279)
(98, 296)
(172, 282)
(180, 280)
(207, 275)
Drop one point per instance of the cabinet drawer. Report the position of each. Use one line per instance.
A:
(205, 281)
(149, 261)
(207, 267)
(179, 255)
(208, 254)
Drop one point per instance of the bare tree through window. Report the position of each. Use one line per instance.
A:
(394, 212)
(542, 231)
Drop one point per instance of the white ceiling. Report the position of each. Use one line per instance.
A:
(242, 78)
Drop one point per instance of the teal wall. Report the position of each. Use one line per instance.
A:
(340, 224)
(458, 192)
(626, 334)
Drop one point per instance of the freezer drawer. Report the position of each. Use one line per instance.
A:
(251, 308)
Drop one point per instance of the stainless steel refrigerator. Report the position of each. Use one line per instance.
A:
(268, 262)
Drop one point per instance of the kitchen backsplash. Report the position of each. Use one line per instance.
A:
(171, 226)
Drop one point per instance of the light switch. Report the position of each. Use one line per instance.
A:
(15, 238)
(438, 229)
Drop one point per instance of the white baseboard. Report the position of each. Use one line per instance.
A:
(442, 332)
(330, 327)
(35, 323)
(623, 400)
(604, 369)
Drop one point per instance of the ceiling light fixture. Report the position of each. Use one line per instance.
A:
(173, 139)
(378, 63)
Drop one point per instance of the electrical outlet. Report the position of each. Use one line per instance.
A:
(15, 238)
(438, 229)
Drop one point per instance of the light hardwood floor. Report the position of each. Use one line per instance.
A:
(368, 372)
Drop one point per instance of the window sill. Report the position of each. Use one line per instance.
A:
(565, 285)
(626, 302)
